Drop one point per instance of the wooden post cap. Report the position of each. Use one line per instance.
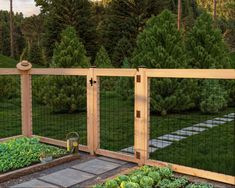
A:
(24, 65)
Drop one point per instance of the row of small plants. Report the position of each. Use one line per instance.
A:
(151, 177)
(22, 152)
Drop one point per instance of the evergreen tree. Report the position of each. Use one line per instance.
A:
(126, 18)
(122, 51)
(161, 45)
(225, 17)
(9, 87)
(35, 54)
(125, 85)
(67, 93)
(60, 14)
(206, 49)
(102, 59)
(205, 45)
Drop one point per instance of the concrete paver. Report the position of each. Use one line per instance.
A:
(96, 166)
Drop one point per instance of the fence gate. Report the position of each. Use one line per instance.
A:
(112, 114)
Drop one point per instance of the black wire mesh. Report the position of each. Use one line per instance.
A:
(59, 106)
(10, 106)
(200, 135)
(117, 114)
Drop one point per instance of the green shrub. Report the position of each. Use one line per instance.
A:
(213, 97)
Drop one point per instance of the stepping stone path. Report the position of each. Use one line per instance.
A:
(168, 139)
(74, 175)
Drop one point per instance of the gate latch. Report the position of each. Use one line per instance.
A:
(92, 81)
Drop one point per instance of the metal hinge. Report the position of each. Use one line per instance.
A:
(138, 78)
(137, 155)
(92, 81)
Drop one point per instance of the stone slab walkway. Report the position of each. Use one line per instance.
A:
(167, 139)
(77, 174)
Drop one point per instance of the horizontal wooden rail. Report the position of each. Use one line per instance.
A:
(115, 72)
(195, 172)
(10, 138)
(155, 73)
(59, 143)
(5, 71)
(116, 155)
(192, 73)
(59, 71)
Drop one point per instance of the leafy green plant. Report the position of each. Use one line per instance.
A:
(150, 177)
(22, 152)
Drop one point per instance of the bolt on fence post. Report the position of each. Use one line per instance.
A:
(26, 97)
(141, 128)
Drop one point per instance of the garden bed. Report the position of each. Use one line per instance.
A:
(21, 156)
(151, 177)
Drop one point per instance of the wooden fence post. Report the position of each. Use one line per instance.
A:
(92, 111)
(141, 116)
(26, 98)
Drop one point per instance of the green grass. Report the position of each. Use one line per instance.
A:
(7, 62)
(211, 150)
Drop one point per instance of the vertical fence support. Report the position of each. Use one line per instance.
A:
(26, 98)
(92, 111)
(141, 116)
(96, 122)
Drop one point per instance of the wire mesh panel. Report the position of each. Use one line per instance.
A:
(117, 114)
(59, 106)
(192, 123)
(10, 106)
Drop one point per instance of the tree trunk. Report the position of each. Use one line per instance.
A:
(215, 10)
(11, 30)
(179, 14)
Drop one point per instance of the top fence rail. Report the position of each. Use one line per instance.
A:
(156, 73)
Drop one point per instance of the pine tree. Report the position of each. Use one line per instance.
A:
(77, 13)
(160, 45)
(102, 59)
(225, 16)
(206, 49)
(67, 93)
(122, 51)
(35, 54)
(125, 85)
(126, 18)
(205, 45)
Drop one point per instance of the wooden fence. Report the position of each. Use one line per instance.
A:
(141, 111)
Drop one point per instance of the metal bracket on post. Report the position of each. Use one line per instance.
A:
(26, 97)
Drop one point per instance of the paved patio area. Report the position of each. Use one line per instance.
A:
(79, 173)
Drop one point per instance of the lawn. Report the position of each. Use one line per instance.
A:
(211, 150)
